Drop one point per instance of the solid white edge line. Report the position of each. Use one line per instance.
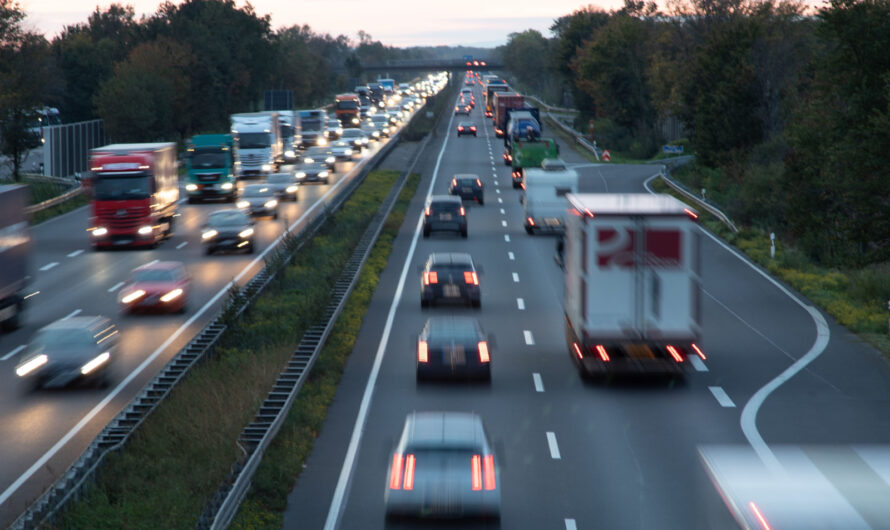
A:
(570, 524)
(748, 419)
(554, 448)
(75, 253)
(11, 354)
(539, 383)
(345, 479)
(115, 287)
(721, 396)
(520, 303)
(12, 488)
(529, 338)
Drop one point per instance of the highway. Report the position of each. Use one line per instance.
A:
(45, 432)
(574, 454)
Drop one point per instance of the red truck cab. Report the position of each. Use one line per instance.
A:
(134, 193)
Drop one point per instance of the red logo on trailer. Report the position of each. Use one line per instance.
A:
(615, 247)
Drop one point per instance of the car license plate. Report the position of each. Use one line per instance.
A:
(444, 216)
(450, 290)
(227, 242)
(458, 356)
(467, 190)
(552, 221)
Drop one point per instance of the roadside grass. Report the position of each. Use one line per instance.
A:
(175, 462)
(45, 190)
(71, 204)
(856, 298)
(266, 502)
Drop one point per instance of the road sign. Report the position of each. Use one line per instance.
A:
(606, 155)
(673, 149)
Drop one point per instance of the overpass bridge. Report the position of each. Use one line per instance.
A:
(435, 65)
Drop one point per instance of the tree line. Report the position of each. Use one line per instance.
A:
(786, 108)
(167, 76)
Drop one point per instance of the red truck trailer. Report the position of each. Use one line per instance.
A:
(502, 102)
(134, 191)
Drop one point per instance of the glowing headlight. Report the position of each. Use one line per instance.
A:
(290, 154)
(242, 204)
(322, 141)
(323, 174)
(308, 160)
(301, 174)
(132, 297)
(267, 167)
(330, 159)
(247, 232)
(99, 232)
(227, 186)
(271, 203)
(376, 134)
(348, 152)
(291, 189)
(355, 121)
(31, 365)
(191, 187)
(209, 234)
(145, 230)
(382, 105)
(172, 295)
(95, 363)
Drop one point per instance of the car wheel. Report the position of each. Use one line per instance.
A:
(208, 250)
(476, 303)
(250, 248)
(183, 310)
(507, 162)
(424, 302)
(516, 185)
(529, 229)
(275, 215)
(463, 233)
(426, 232)
(481, 201)
(230, 198)
(13, 322)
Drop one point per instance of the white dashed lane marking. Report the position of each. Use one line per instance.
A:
(520, 303)
(511, 256)
(507, 238)
(697, 363)
(72, 314)
(12, 354)
(529, 338)
(179, 246)
(515, 277)
(49, 266)
(115, 287)
(503, 212)
(504, 223)
(570, 524)
(539, 383)
(721, 396)
(75, 253)
(554, 448)
(500, 200)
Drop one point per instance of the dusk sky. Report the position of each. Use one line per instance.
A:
(393, 22)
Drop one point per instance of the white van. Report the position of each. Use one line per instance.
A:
(544, 195)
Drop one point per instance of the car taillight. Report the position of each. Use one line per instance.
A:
(476, 466)
(453, 183)
(601, 350)
(422, 352)
(395, 474)
(462, 211)
(473, 129)
(483, 352)
(471, 278)
(675, 354)
(409, 472)
(430, 277)
(577, 350)
(698, 351)
(428, 211)
(479, 183)
(460, 128)
(488, 471)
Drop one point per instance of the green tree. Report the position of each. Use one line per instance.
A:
(527, 55)
(571, 33)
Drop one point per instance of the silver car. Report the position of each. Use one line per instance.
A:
(285, 185)
(258, 200)
(443, 466)
(342, 149)
(320, 155)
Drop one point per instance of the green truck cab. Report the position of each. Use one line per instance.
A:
(210, 167)
(525, 153)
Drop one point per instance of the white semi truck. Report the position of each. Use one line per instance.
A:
(632, 284)
(260, 148)
(544, 195)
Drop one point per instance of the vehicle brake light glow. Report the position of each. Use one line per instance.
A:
(430, 277)
(470, 277)
(409, 472)
(577, 350)
(699, 351)
(453, 183)
(463, 211)
(395, 474)
(423, 352)
(477, 472)
(483, 352)
(531, 222)
(601, 350)
(479, 183)
(428, 211)
(690, 213)
(488, 469)
(675, 354)
(760, 518)
(473, 129)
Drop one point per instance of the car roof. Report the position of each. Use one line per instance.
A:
(445, 430)
(459, 328)
(160, 265)
(450, 258)
(467, 123)
(466, 176)
(445, 198)
(78, 322)
(257, 187)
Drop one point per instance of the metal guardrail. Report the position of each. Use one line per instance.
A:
(710, 208)
(118, 430)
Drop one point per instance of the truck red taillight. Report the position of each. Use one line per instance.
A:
(488, 472)
(483, 472)
(423, 351)
(395, 472)
(699, 351)
(675, 354)
(471, 278)
(463, 211)
(476, 468)
(483, 352)
(430, 277)
(601, 351)
(577, 350)
(531, 222)
(409, 472)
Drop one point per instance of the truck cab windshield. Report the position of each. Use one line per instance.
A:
(254, 140)
(108, 188)
(206, 159)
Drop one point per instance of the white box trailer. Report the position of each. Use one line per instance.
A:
(544, 193)
(632, 283)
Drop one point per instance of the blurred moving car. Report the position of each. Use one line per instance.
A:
(342, 149)
(322, 155)
(69, 351)
(258, 200)
(462, 108)
(313, 172)
(334, 128)
(468, 187)
(161, 286)
(228, 229)
(371, 131)
(444, 213)
(452, 277)
(381, 121)
(285, 186)
(443, 466)
(455, 347)
(466, 127)
(358, 138)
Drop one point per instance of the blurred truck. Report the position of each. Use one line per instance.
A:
(504, 101)
(348, 108)
(134, 190)
(313, 123)
(210, 162)
(544, 196)
(491, 87)
(527, 154)
(15, 248)
(632, 284)
(258, 137)
(291, 135)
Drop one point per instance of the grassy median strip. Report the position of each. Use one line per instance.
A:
(265, 503)
(44, 190)
(174, 463)
(856, 298)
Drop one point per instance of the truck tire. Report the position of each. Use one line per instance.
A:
(463, 233)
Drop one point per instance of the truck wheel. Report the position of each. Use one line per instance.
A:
(529, 230)
(424, 302)
(208, 250)
(426, 232)
(481, 201)
(476, 303)
(463, 233)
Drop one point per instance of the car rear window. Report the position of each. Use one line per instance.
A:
(448, 207)
(466, 181)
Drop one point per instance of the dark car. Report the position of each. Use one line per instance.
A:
(450, 277)
(462, 108)
(69, 351)
(468, 187)
(371, 130)
(443, 466)
(381, 121)
(228, 229)
(452, 346)
(258, 200)
(159, 286)
(322, 155)
(444, 213)
(313, 172)
(358, 138)
(285, 185)
(342, 149)
(466, 127)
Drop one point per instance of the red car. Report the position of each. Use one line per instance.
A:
(466, 127)
(159, 286)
